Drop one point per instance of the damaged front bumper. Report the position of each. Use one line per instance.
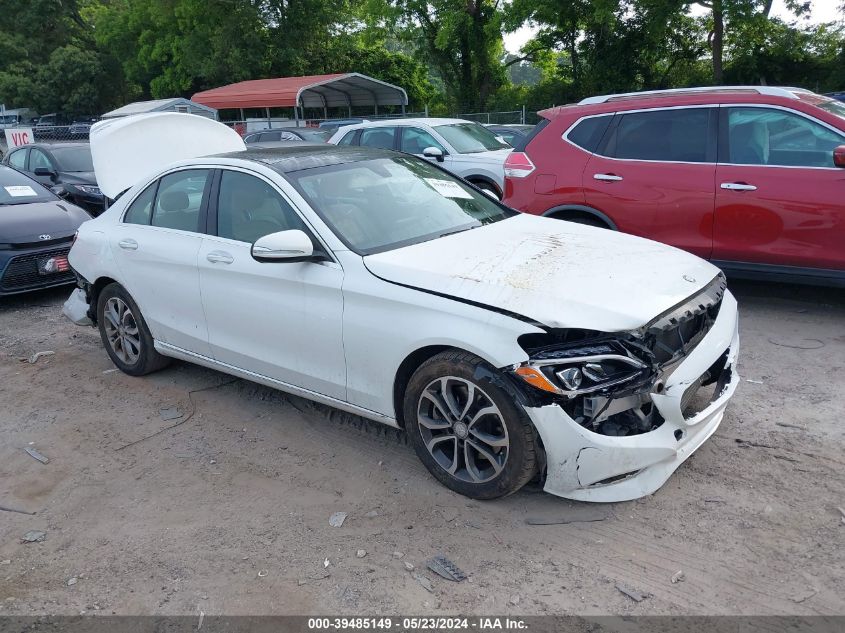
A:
(588, 466)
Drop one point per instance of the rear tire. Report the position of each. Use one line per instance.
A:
(586, 220)
(125, 334)
(468, 431)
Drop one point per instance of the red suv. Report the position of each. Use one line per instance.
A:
(751, 178)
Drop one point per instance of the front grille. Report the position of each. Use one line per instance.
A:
(22, 272)
(676, 333)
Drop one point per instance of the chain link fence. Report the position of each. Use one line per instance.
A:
(76, 132)
(525, 116)
(80, 131)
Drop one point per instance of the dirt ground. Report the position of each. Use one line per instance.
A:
(227, 513)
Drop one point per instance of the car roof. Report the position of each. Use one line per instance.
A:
(419, 121)
(297, 156)
(684, 96)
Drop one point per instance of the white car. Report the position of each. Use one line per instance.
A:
(507, 346)
(465, 148)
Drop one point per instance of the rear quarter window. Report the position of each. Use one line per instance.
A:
(587, 133)
(348, 138)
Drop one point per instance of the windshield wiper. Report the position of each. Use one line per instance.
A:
(461, 230)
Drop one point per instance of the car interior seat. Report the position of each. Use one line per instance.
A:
(175, 212)
(749, 143)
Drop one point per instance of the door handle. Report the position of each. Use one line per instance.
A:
(128, 245)
(219, 257)
(738, 186)
(607, 177)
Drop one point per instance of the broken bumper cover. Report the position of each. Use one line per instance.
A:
(76, 308)
(588, 466)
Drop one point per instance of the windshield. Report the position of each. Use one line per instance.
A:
(385, 203)
(74, 158)
(15, 188)
(470, 138)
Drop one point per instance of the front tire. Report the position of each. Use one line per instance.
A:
(468, 431)
(125, 334)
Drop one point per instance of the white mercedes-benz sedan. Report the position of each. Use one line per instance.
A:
(507, 346)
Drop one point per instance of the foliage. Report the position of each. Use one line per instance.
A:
(88, 56)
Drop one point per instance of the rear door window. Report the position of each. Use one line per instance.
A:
(381, 137)
(37, 159)
(179, 200)
(671, 135)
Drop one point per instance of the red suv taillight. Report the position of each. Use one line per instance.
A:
(518, 165)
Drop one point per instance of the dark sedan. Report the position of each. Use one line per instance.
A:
(36, 232)
(312, 135)
(66, 168)
(511, 132)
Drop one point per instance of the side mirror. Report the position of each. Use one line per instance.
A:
(60, 191)
(288, 246)
(839, 156)
(44, 171)
(434, 152)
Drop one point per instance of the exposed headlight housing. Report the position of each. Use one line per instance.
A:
(91, 190)
(584, 369)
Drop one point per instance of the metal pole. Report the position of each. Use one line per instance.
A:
(269, 123)
(523, 114)
(426, 110)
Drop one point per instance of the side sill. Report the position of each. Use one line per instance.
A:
(780, 273)
(182, 354)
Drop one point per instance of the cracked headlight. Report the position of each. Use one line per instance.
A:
(586, 369)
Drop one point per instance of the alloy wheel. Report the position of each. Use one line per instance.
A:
(463, 429)
(122, 330)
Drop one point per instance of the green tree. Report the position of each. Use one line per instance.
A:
(177, 47)
(48, 60)
(461, 40)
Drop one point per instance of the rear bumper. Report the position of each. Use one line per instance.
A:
(590, 467)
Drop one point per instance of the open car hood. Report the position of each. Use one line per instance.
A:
(556, 273)
(127, 149)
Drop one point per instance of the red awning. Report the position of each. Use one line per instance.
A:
(314, 91)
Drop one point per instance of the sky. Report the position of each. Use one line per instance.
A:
(820, 11)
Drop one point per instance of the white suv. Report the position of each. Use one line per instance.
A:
(466, 149)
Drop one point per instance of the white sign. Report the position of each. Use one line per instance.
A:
(15, 137)
(20, 191)
(448, 189)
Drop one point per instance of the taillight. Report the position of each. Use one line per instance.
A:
(518, 165)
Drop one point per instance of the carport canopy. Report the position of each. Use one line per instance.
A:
(314, 91)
